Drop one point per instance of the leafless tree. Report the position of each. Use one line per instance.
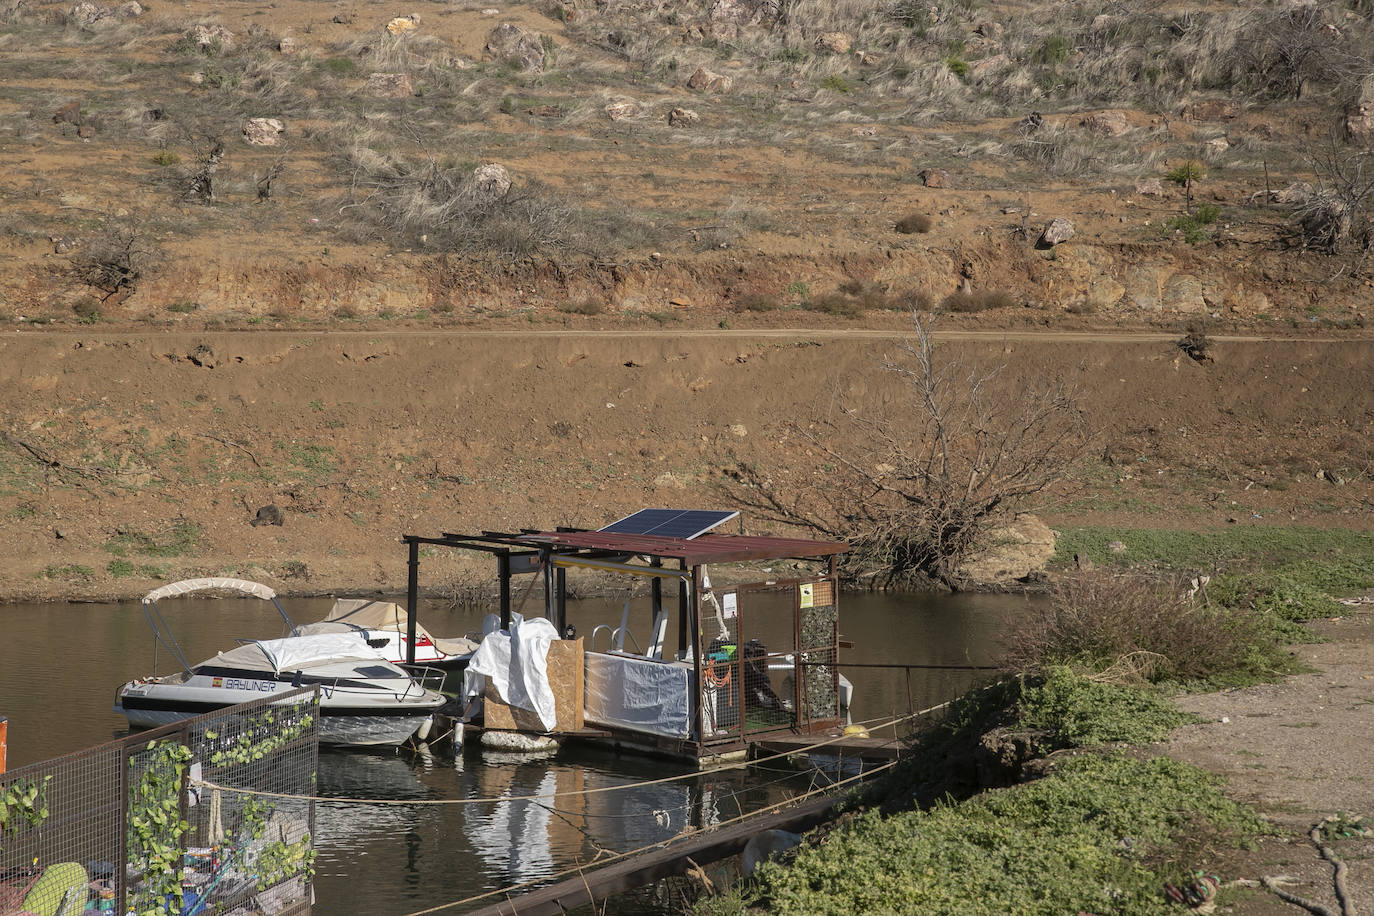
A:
(915, 488)
(1339, 213)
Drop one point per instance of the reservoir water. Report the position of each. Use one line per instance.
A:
(60, 665)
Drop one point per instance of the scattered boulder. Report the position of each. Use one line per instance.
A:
(1107, 123)
(988, 29)
(402, 24)
(622, 110)
(682, 117)
(263, 131)
(988, 67)
(834, 43)
(85, 131)
(869, 131)
(1058, 231)
(1149, 187)
(269, 515)
(517, 46)
(86, 13)
(545, 111)
(130, 10)
(390, 85)
(289, 46)
(490, 181)
(704, 80)
(1016, 551)
(726, 18)
(1116, 546)
(934, 178)
(210, 37)
(1216, 146)
(342, 19)
(1083, 562)
(68, 114)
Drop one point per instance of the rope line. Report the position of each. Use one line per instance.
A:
(743, 764)
(663, 844)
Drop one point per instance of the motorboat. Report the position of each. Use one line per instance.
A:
(385, 625)
(365, 700)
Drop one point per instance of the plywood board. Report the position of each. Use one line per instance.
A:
(566, 680)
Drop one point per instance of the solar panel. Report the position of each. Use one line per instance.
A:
(671, 523)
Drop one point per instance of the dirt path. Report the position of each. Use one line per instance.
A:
(1298, 751)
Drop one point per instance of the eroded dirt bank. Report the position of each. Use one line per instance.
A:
(129, 457)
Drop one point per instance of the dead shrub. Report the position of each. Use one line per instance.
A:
(836, 303)
(914, 223)
(443, 206)
(1129, 628)
(968, 301)
(113, 262)
(757, 302)
(587, 306)
(908, 300)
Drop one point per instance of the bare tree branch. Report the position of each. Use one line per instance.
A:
(913, 491)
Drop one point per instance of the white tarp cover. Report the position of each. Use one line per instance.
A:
(638, 693)
(187, 586)
(291, 652)
(517, 664)
(386, 616)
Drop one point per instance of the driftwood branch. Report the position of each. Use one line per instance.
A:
(1337, 879)
(53, 464)
(232, 444)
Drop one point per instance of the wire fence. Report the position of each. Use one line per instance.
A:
(125, 827)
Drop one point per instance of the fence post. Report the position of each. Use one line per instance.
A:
(4, 736)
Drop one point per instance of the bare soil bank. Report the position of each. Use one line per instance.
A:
(131, 457)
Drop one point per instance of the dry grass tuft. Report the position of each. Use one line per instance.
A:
(441, 206)
(587, 306)
(1131, 629)
(981, 301)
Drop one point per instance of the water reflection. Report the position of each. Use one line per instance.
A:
(61, 663)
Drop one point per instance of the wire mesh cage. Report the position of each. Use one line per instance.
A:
(170, 821)
(769, 658)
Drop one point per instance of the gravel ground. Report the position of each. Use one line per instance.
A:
(1298, 751)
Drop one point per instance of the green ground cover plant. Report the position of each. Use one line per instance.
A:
(1292, 573)
(1087, 838)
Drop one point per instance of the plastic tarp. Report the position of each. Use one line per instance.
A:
(291, 652)
(348, 613)
(640, 694)
(189, 586)
(516, 664)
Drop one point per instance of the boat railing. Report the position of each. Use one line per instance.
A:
(427, 677)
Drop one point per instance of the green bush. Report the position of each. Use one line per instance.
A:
(1079, 712)
(836, 83)
(1052, 846)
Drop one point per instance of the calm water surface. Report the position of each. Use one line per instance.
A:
(60, 665)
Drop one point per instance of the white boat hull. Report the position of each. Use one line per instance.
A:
(348, 716)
